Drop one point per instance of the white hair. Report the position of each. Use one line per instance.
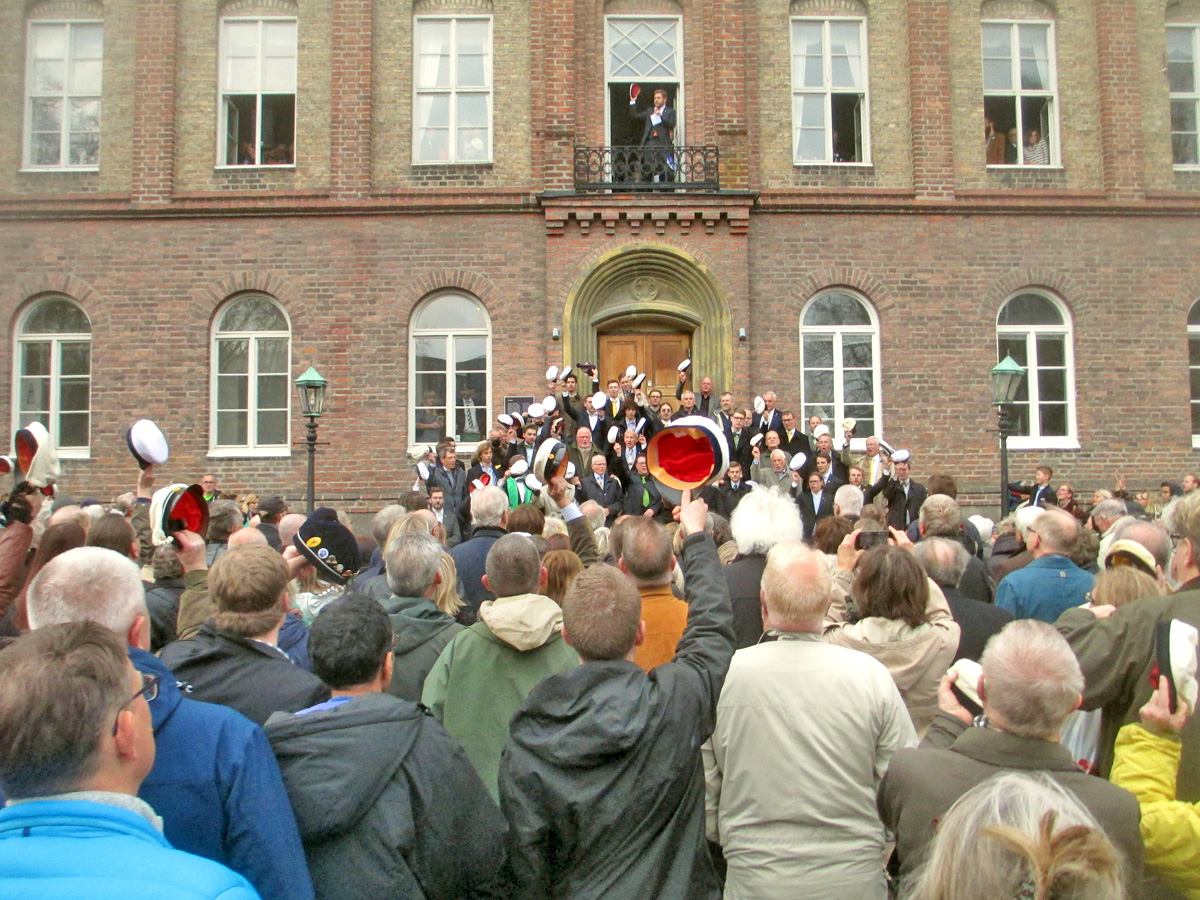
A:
(1026, 516)
(1032, 678)
(796, 583)
(594, 513)
(848, 499)
(87, 584)
(765, 518)
(488, 506)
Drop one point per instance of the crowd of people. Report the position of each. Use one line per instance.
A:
(814, 676)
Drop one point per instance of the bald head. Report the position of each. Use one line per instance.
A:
(73, 514)
(1056, 531)
(246, 536)
(796, 587)
(288, 526)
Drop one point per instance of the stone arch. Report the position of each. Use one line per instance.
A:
(213, 294)
(1183, 11)
(26, 293)
(652, 280)
(1018, 9)
(832, 278)
(473, 283)
(828, 8)
(1033, 278)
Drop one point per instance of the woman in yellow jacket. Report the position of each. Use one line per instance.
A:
(1146, 763)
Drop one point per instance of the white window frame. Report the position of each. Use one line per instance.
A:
(858, 443)
(1018, 93)
(66, 96)
(56, 340)
(251, 448)
(1035, 440)
(1192, 96)
(827, 90)
(453, 91)
(676, 103)
(223, 90)
(451, 394)
(1193, 335)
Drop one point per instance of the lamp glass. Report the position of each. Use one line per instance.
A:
(1006, 380)
(311, 388)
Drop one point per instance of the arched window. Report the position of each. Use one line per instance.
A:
(1035, 329)
(251, 397)
(839, 363)
(54, 373)
(1193, 331)
(450, 352)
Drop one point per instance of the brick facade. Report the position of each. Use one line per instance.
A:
(355, 235)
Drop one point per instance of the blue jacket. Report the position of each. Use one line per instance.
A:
(80, 850)
(1044, 589)
(470, 558)
(217, 786)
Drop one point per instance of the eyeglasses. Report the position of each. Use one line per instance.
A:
(149, 690)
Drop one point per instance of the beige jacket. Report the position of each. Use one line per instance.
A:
(917, 658)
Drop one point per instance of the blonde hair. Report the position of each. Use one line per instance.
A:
(562, 566)
(1123, 584)
(445, 596)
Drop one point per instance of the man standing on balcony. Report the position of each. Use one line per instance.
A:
(658, 136)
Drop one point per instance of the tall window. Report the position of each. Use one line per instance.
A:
(829, 91)
(839, 363)
(251, 395)
(63, 74)
(1035, 330)
(258, 92)
(645, 51)
(1182, 43)
(1019, 91)
(450, 356)
(54, 373)
(1193, 330)
(453, 90)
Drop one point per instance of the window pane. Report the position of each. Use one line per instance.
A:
(73, 394)
(1184, 149)
(430, 354)
(231, 429)
(1052, 384)
(1051, 351)
(472, 386)
(272, 392)
(75, 358)
(470, 354)
(1030, 309)
(48, 76)
(1014, 347)
(272, 356)
(818, 387)
(253, 314)
(85, 76)
(1181, 77)
(87, 41)
(233, 392)
(56, 317)
(431, 389)
(1196, 418)
(807, 65)
(1194, 376)
(45, 149)
(272, 427)
(473, 49)
(857, 387)
(1183, 115)
(433, 127)
(47, 115)
(808, 112)
(836, 308)
(233, 357)
(846, 54)
(240, 48)
(433, 54)
(1194, 353)
(73, 429)
(49, 41)
(997, 58)
(1194, 314)
(856, 351)
(35, 358)
(451, 312)
(35, 395)
(1054, 419)
(818, 351)
(1035, 57)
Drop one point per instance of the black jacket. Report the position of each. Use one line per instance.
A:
(251, 677)
(611, 497)
(420, 631)
(602, 783)
(387, 803)
(900, 512)
(744, 578)
(162, 602)
(977, 621)
(633, 496)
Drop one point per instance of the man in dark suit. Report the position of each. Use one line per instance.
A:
(770, 419)
(641, 496)
(703, 400)
(624, 461)
(1040, 493)
(815, 501)
(658, 136)
(603, 488)
(903, 495)
(945, 560)
(738, 437)
(732, 489)
(527, 449)
(453, 482)
(723, 415)
(792, 439)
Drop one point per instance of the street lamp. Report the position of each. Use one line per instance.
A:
(311, 388)
(1006, 381)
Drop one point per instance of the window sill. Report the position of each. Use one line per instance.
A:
(249, 452)
(39, 170)
(260, 168)
(1188, 168)
(1196, 441)
(1043, 443)
(448, 162)
(74, 453)
(1017, 167)
(817, 163)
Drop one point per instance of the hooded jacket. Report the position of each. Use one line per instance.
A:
(602, 782)
(254, 678)
(388, 804)
(217, 787)
(486, 671)
(420, 631)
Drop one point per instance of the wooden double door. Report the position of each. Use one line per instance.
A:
(657, 353)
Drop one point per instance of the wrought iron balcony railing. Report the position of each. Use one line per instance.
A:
(647, 169)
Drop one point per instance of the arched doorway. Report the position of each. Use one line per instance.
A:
(648, 303)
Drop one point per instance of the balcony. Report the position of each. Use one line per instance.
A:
(647, 169)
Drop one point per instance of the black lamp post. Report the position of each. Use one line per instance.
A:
(1006, 381)
(311, 388)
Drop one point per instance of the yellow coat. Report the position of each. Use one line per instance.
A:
(1146, 764)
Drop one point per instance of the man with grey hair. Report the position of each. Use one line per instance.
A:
(224, 518)
(1117, 652)
(944, 560)
(489, 507)
(1030, 684)
(381, 527)
(762, 520)
(799, 704)
(1051, 583)
(1105, 514)
(485, 672)
(1151, 535)
(420, 630)
(215, 781)
(941, 516)
(773, 471)
(848, 501)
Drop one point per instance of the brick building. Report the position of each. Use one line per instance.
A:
(199, 199)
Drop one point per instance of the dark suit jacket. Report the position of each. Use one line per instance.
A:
(612, 498)
(799, 443)
(453, 483)
(744, 452)
(743, 576)
(620, 469)
(977, 621)
(663, 133)
(811, 515)
(633, 496)
(771, 420)
(705, 406)
(728, 498)
(1044, 494)
(899, 512)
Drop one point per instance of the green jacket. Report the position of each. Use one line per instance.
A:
(484, 674)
